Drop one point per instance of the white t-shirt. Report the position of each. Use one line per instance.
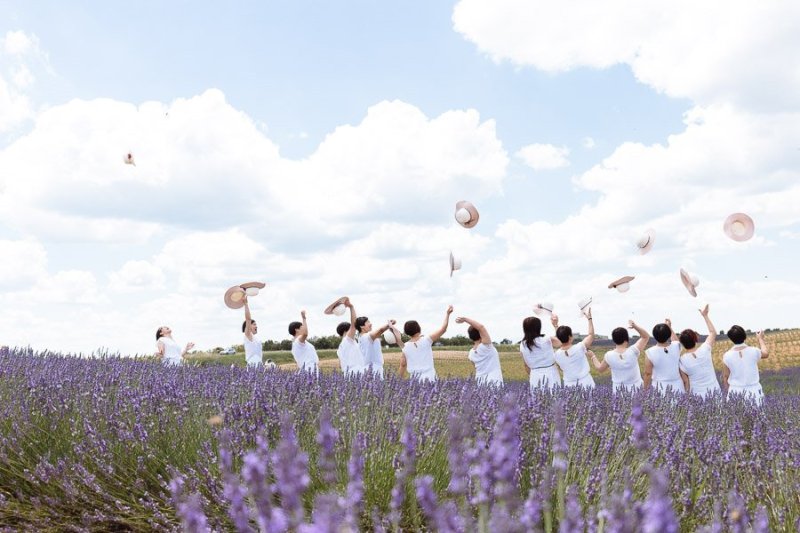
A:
(743, 365)
(573, 362)
(666, 364)
(419, 357)
(350, 357)
(540, 355)
(253, 351)
(373, 355)
(624, 366)
(305, 355)
(172, 351)
(700, 369)
(487, 364)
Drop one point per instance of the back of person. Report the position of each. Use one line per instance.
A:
(666, 362)
(743, 365)
(700, 369)
(172, 351)
(575, 366)
(625, 372)
(487, 364)
(419, 357)
(253, 351)
(350, 357)
(373, 356)
(305, 355)
(541, 361)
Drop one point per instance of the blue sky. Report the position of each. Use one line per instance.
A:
(647, 125)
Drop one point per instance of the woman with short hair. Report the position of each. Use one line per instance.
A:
(662, 361)
(696, 363)
(369, 340)
(167, 350)
(624, 359)
(571, 359)
(740, 365)
(417, 357)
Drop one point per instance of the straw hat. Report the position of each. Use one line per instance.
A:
(622, 284)
(585, 305)
(466, 214)
(739, 227)
(646, 241)
(234, 297)
(543, 308)
(337, 308)
(128, 159)
(690, 281)
(455, 264)
(389, 337)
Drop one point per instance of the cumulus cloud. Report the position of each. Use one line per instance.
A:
(740, 52)
(544, 156)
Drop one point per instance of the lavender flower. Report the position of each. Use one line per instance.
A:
(327, 439)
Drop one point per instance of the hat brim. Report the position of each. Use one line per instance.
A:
(620, 281)
(234, 297)
(473, 213)
(583, 306)
(745, 221)
(330, 308)
(687, 282)
(453, 266)
(651, 239)
(542, 311)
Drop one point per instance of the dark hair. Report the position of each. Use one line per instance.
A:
(244, 324)
(411, 328)
(737, 334)
(158, 333)
(563, 333)
(293, 327)
(689, 338)
(619, 336)
(662, 332)
(342, 328)
(531, 330)
(361, 322)
(473, 333)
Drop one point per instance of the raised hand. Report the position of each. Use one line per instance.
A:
(303, 314)
(631, 324)
(460, 320)
(189, 346)
(449, 309)
(704, 311)
(554, 320)
(668, 322)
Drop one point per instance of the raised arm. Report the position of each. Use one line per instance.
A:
(436, 335)
(248, 321)
(674, 337)
(590, 337)
(762, 344)
(553, 340)
(304, 336)
(189, 346)
(485, 339)
(648, 372)
(397, 336)
(375, 333)
(352, 331)
(644, 337)
(712, 333)
(601, 366)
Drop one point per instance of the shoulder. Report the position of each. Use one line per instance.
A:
(632, 350)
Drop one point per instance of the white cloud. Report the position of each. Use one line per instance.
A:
(738, 52)
(544, 156)
(17, 43)
(23, 262)
(588, 143)
(137, 275)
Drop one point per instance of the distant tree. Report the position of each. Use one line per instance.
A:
(506, 341)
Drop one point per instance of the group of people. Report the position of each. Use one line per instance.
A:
(549, 360)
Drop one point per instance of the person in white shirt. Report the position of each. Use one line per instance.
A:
(572, 358)
(167, 350)
(696, 362)
(304, 353)
(369, 340)
(253, 349)
(662, 362)
(417, 358)
(351, 359)
(624, 359)
(740, 365)
(537, 354)
(483, 354)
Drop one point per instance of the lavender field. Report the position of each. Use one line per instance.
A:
(121, 444)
